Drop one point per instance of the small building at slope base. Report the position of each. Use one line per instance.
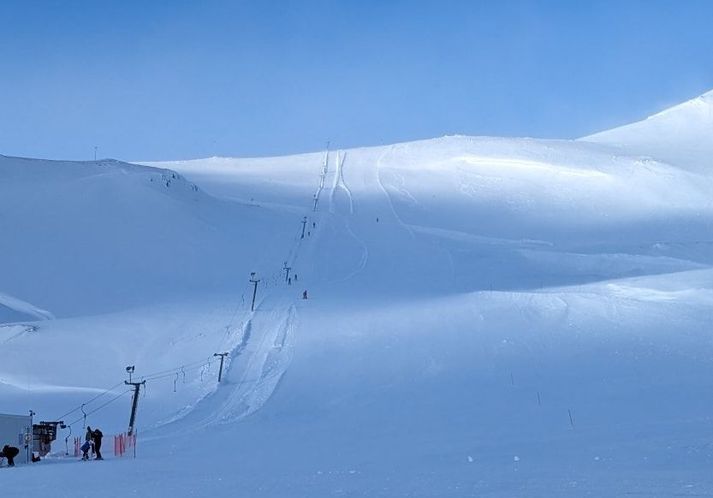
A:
(16, 430)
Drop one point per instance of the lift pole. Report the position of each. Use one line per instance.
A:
(222, 358)
(253, 281)
(134, 403)
(287, 271)
(304, 225)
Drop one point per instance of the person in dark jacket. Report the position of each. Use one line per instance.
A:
(97, 438)
(10, 452)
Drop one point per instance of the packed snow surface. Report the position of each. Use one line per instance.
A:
(484, 317)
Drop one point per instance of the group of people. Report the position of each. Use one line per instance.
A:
(93, 443)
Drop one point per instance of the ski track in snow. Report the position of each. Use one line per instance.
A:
(259, 357)
(339, 184)
(387, 196)
(259, 369)
(341, 158)
(10, 332)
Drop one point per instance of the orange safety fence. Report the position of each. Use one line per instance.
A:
(123, 443)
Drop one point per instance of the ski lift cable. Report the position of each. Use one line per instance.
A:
(171, 371)
(79, 407)
(153, 376)
(182, 369)
(100, 407)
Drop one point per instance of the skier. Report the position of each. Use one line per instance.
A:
(88, 442)
(289, 281)
(304, 295)
(85, 449)
(10, 452)
(314, 225)
(97, 438)
(295, 277)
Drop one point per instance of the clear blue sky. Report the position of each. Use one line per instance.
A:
(148, 80)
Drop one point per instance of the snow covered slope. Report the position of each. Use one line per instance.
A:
(15, 310)
(86, 238)
(486, 317)
(681, 135)
(137, 265)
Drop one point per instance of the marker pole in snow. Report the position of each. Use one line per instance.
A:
(253, 281)
(287, 271)
(316, 198)
(222, 358)
(304, 224)
(28, 438)
(134, 403)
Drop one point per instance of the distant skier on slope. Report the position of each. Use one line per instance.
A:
(304, 295)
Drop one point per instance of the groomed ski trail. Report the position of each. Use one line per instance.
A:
(260, 355)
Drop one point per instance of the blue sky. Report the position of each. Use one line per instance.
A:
(149, 80)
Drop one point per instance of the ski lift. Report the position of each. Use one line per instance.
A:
(66, 439)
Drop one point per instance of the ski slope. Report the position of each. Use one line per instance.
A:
(680, 135)
(486, 317)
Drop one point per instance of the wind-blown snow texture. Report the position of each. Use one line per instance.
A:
(486, 317)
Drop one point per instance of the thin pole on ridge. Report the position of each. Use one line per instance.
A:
(253, 281)
(288, 268)
(222, 358)
(304, 224)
